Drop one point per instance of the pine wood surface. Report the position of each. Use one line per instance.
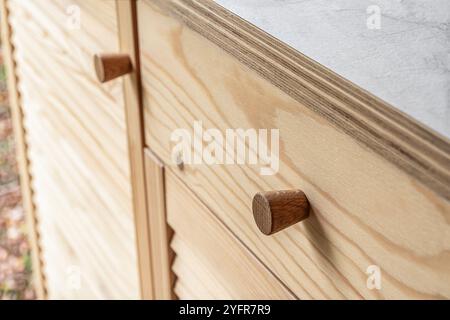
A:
(77, 147)
(370, 205)
(209, 262)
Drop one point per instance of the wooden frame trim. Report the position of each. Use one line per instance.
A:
(375, 124)
(127, 22)
(160, 231)
(147, 175)
(20, 135)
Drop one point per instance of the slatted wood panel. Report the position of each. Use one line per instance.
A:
(209, 262)
(366, 208)
(22, 155)
(77, 147)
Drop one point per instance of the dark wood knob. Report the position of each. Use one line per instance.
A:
(109, 66)
(276, 210)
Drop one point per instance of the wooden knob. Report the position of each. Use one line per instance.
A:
(276, 210)
(109, 66)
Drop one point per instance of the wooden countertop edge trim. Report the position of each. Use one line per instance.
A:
(375, 124)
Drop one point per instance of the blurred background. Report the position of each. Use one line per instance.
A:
(15, 258)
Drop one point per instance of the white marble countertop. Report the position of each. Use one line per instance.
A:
(406, 61)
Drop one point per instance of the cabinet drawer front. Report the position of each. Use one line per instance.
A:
(209, 262)
(366, 214)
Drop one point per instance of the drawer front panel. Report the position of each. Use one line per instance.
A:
(369, 220)
(209, 262)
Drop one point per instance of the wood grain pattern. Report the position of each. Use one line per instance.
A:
(20, 136)
(277, 210)
(160, 232)
(128, 42)
(365, 211)
(210, 263)
(109, 66)
(376, 125)
(77, 147)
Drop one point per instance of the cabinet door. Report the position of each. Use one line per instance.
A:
(194, 256)
(378, 217)
(76, 139)
(208, 261)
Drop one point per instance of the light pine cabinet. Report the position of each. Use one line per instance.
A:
(108, 197)
(76, 147)
(369, 209)
(209, 262)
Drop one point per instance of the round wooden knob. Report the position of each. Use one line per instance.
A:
(109, 66)
(276, 210)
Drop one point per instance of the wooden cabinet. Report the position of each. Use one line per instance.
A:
(377, 182)
(366, 211)
(76, 147)
(209, 262)
(195, 256)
